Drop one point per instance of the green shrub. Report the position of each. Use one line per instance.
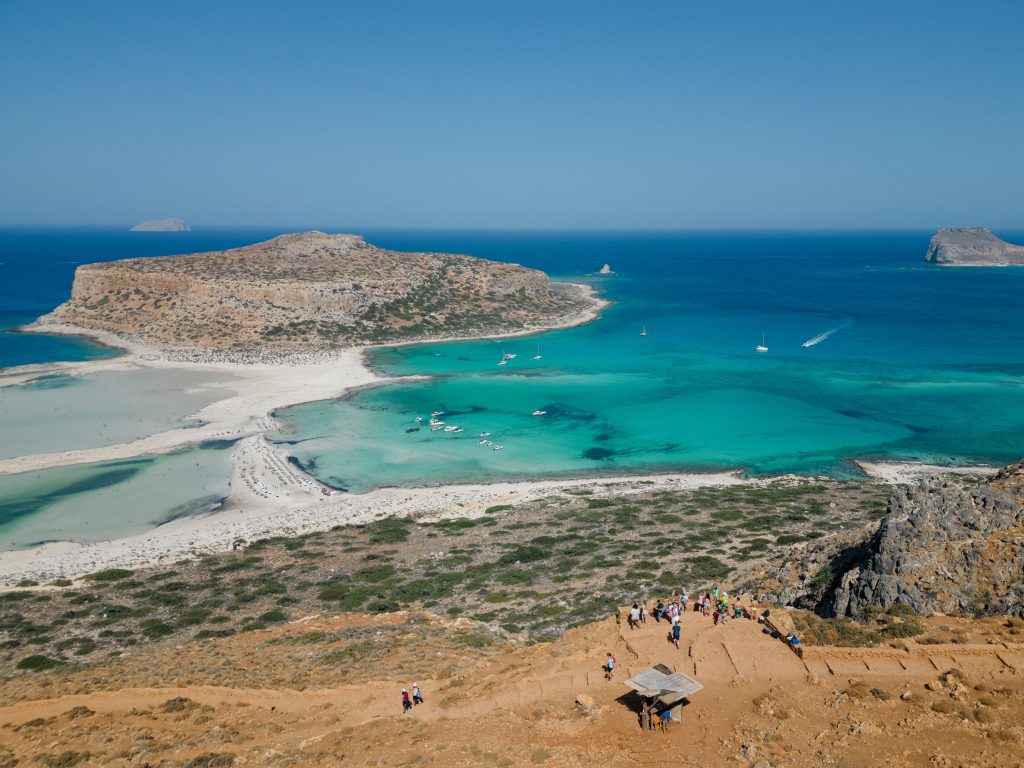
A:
(38, 663)
(154, 629)
(110, 574)
(524, 554)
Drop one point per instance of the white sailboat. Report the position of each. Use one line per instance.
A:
(761, 347)
(643, 330)
(537, 356)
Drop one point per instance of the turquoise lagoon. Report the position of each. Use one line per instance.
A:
(902, 361)
(63, 413)
(872, 354)
(94, 502)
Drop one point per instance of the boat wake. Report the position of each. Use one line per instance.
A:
(822, 336)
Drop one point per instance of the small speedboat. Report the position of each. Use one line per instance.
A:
(413, 429)
(498, 447)
(540, 413)
(485, 434)
(457, 430)
(503, 362)
(450, 428)
(436, 423)
(435, 428)
(481, 442)
(418, 419)
(437, 413)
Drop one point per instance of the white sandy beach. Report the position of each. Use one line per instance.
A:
(271, 497)
(899, 472)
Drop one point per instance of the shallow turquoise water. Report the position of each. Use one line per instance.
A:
(64, 413)
(106, 500)
(912, 362)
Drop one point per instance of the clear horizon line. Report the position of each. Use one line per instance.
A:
(306, 227)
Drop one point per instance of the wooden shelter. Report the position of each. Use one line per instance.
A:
(660, 688)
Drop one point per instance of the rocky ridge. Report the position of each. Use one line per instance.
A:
(944, 546)
(310, 291)
(162, 225)
(972, 247)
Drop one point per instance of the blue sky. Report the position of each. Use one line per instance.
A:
(593, 114)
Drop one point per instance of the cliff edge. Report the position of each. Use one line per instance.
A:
(162, 225)
(972, 247)
(310, 292)
(944, 545)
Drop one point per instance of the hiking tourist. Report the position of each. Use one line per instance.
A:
(417, 695)
(675, 634)
(659, 611)
(406, 704)
(634, 616)
(609, 667)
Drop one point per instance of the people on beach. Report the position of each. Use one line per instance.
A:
(406, 703)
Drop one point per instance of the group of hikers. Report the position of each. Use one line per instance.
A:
(409, 701)
(716, 603)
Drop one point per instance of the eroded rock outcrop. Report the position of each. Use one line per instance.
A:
(308, 292)
(972, 247)
(944, 545)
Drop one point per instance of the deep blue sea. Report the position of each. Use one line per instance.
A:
(871, 353)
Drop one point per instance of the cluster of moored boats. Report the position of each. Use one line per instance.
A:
(510, 356)
(435, 423)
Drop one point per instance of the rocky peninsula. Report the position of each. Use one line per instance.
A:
(972, 247)
(162, 225)
(310, 292)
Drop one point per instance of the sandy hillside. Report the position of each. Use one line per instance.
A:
(493, 703)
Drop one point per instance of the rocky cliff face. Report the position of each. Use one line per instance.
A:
(943, 546)
(972, 246)
(308, 291)
(162, 225)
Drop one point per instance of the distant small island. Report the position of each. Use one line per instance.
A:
(162, 225)
(972, 247)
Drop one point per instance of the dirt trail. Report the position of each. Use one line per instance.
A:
(716, 655)
(836, 707)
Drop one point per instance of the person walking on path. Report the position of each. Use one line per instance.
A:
(634, 616)
(609, 667)
(659, 611)
(675, 635)
(406, 704)
(643, 613)
(417, 694)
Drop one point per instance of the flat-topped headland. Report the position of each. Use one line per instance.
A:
(162, 225)
(972, 247)
(310, 292)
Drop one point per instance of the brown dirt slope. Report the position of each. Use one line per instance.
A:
(491, 703)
